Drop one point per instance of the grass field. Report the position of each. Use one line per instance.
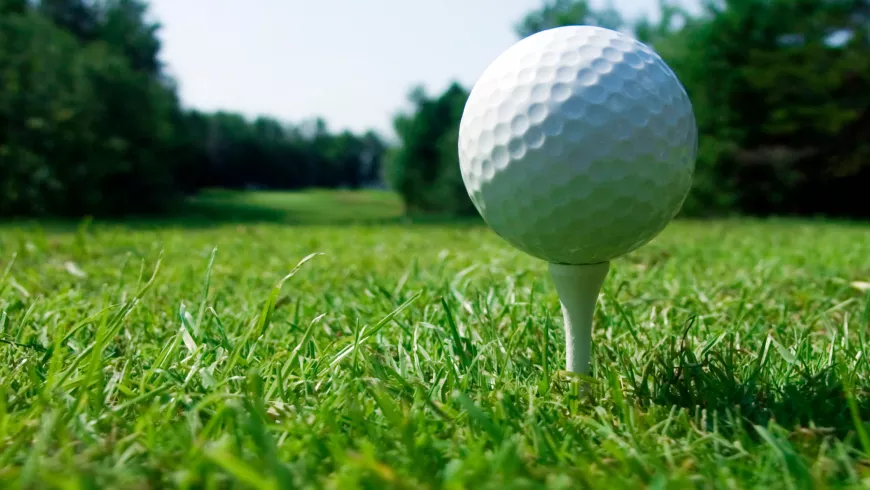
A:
(200, 354)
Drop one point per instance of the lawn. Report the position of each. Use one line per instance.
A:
(304, 207)
(294, 347)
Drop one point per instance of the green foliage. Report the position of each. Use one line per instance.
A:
(265, 153)
(556, 13)
(783, 86)
(726, 354)
(78, 17)
(780, 90)
(424, 168)
(12, 6)
(85, 131)
(94, 126)
(88, 132)
(123, 27)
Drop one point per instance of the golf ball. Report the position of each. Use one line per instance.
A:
(578, 144)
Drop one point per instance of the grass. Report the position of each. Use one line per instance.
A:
(304, 207)
(347, 355)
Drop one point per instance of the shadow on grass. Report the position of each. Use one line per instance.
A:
(216, 208)
(794, 394)
(240, 213)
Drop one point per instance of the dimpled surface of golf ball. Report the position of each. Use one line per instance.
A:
(577, 145)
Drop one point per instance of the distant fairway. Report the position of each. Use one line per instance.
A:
(727, 354)
(311, 207)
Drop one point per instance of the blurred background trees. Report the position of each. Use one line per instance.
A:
(424, 168)
(91, 124)
(781, 90)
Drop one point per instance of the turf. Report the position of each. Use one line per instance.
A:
(268, 355)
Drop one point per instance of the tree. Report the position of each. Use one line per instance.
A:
(124, 27)
(77, 17)
(373, 151)
(558, 13)
(9, 7)
(780, 89)
(85, 133)
(780, 94)
(424, 169)
(92, 125)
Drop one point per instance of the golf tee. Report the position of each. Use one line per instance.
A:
(578, 287)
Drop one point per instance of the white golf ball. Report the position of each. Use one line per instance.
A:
(578, 145)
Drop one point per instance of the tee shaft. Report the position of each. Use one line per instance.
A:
(578, 287)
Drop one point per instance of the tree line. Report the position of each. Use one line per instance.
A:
(781, 91)
(91, 124)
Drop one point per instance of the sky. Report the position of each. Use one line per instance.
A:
(353, 62)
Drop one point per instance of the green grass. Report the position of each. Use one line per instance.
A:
(304, 207)
(727, 355)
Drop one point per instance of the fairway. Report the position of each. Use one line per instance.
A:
(727, 354)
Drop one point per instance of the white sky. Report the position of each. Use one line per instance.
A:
(351, 61)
